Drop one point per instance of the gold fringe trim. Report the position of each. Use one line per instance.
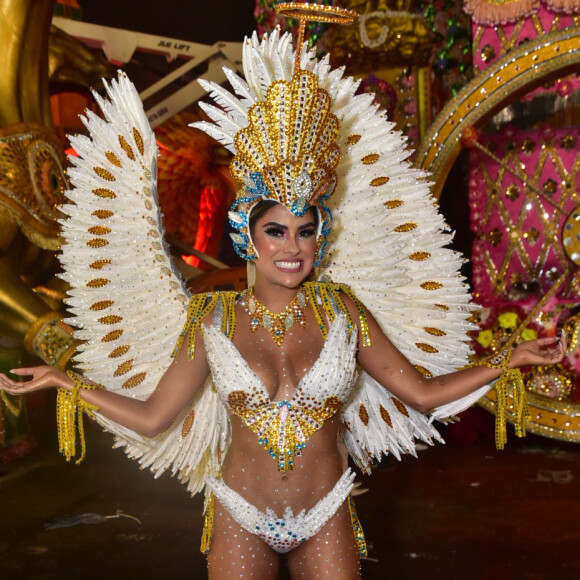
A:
(207, 526)
(521, 412)
(69, 416)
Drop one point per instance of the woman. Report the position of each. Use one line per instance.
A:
(282, 356)
(286, 247)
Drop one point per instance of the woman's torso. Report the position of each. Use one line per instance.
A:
(250, 469)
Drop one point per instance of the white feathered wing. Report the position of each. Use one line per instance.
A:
(127, 301)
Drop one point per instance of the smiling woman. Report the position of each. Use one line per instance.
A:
(264, 383)
(285, 249)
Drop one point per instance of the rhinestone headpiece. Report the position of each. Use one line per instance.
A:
(287, 153)
(287, 150)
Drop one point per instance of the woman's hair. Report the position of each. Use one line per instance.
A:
(263, 206)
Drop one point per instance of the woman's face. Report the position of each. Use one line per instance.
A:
(286, 246)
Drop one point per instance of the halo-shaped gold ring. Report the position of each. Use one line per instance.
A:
(317, 12)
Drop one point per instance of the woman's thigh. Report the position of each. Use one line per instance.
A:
(235, 553)
(331, 553)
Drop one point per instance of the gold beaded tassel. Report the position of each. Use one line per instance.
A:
(521, 412)
(69, 416)
(207, 526)
(324, 292)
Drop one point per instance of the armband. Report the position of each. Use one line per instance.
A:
(69, 416)
(513, 377)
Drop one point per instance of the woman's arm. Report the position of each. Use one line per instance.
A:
(387, 365)
(175, 390)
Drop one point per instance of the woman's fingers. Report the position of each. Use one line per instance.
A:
(23, 371)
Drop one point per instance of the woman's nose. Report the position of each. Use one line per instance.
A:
(291, 245)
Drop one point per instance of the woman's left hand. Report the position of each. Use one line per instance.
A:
(542, 351)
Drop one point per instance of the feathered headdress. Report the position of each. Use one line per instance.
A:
(285, 145)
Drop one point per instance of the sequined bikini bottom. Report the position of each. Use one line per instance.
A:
(284, 533)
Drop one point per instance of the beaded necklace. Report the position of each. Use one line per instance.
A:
(276, 324)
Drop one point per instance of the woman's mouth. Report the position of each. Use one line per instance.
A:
(289, 265)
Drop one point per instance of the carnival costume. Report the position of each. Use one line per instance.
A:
(302, 137)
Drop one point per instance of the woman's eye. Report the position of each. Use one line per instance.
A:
(307, 233)
(275, 232)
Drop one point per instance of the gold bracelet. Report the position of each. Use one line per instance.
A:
(521, 412)
(69, 415)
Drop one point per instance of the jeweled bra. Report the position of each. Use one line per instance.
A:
(282, 427)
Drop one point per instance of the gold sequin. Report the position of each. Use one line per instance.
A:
(430, 285)
(425, 372)
(363, 414)
(113, 158)
(406, 227)
(97, 243)
(353, 139)
(99, 264)
(386, 417)
(123, 368)
(102, 304)
(187, 424)
(442, 307)
(426, 347)
(113, 335)
(134, 380)
(378, 181)
(332, 404)
(105, 193)
(110, 319)
(435, 331)
(97, 282)
(126, 148)
(370, 158)
(393, 203)
(420, 256)
(400, 407)
(119, 351)
(138, 140)
(99, 230)
(104, 174)
(512, 192)
(102, 214)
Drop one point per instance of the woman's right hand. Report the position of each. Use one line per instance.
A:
(43, 377)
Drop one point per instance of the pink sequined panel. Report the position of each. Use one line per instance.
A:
(492, 42)
(517, 231)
